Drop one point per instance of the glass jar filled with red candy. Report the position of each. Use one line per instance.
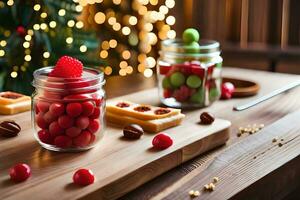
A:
(189, 71)
(68, 106)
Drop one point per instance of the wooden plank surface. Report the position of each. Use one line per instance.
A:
(119, 165)
(266, 113)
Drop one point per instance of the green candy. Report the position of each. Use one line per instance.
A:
(193, 81)
(213, 94)
(166, 83)
(192, 47)
(198, 97)
(177, 79)
(190, 35)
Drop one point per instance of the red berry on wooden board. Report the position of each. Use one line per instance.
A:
(162, 141)
(227, 89)
(20, 172)
(83, 177)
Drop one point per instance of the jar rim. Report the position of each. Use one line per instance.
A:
(96, 80)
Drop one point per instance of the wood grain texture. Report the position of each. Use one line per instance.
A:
(118, 164)
(265, 113)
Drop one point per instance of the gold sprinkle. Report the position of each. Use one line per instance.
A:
(254, 157)
(281, 139)
(280, 144)
(191, 192)
(274, 139)
(239, 134)
(215, 179)
(212, 186)
(206, 187)
(261, 125)
(196, 193)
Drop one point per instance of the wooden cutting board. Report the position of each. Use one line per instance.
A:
(119, 165)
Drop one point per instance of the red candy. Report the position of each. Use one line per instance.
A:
(162, 141)
(57, 109)
(63, 141)
(20, 172)
(65, 121)
(74, 109)
(83, 139)
(83, 177)
(82, 122)
(94, 125)
(49, 117)
(227, 90)
(182, 94)
(96, 113)
(40, 121)
(167, 93)
(88, 108)
(45, 136)
(43, 106)
(67, 67)
(55, 129)
(73, 132)
(163, 70)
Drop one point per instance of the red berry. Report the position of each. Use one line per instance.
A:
(67, 67)
(83, 177)
(57, 109)
(82, 122)
(20, 172)
(73, 131)
(45, 136)
(94, 125)
(167, 93)
(227, 90)
(162, 141)
(96, 113)
(55, 129)
(98, 101)
(43, 106)
(49, 117)
(88, 108)
(63, 141)
(83, 139)
(182, 94)
(41, 122)
(74, 109)
(65, 121)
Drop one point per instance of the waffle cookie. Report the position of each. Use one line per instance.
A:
(151, 118)
(12, 103)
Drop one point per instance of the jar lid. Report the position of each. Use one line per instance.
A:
(178, 46)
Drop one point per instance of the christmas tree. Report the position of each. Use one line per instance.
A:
(36, 33)
(130, 31)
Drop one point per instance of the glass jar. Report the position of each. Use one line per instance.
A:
(68, 113)
(189, 75)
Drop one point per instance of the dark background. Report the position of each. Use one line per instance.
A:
(258, 34)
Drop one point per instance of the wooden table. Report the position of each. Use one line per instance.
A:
(273, 175)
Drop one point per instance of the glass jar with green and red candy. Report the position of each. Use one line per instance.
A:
(68, 113)
(189, 71)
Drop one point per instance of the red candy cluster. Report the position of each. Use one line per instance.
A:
(65, 118)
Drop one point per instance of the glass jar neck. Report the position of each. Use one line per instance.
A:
(91, 80)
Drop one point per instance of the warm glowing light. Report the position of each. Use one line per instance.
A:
(27, 51)
(148, 73)
(43, 15)
(132, 20)
(69, 40)
(3, 43)
(71, 23)
(123, 64)
(108, 70)
(26, 44)
(36, 27)
(112, 20)
(99, 17)
(23, 68)
(153, 2)
(28, 37)
(171, 20)
(62, 12)
(116, 26)
(122, 72)
(170, 3)
(78, 8)
(117, 2)
(142, 57)
(37, 7)
(142, 10)
(141, 68)
(105, 45)
(30, 32)
(43, 26)
(150, 62)
(14, 74)
(163, 9)
(7, 33)
(129, 70)
(10, 2)
(27, 58)
(46, 54)
(113, 43)
(171, 34)
(126, 30)
(148, 27)
(52, 24)
(103, 54)
(2, 52)
(126, 54)
(83, 48)
(79, 24)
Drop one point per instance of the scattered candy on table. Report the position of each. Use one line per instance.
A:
(83, 177)
(227, 90)
(20, 172)
(162, 141)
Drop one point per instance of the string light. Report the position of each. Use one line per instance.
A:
(170, 3)
(105, 45)
(46, 54)
(10, 2)
(2, 52)
(170, 20)
(108, 70)
(14, 74)
(83, 48)
(129, 70)
(116, 27)
(99, 17)
(79, 24)
(27, 58)
(30, 32)
(69, 40)
(7, 33)
(171, 34)
(62, 12)
(126, 54)
(43, 15)
(37, 7)
(150, 62)
(113, 43)
(78, 8)
(36, 27)
(126, 30)
(52, 24)
(3, 43)
(26, 44)
(132, 20)
(163, 9)
(148, 73)
(103, 54)
(122, 72)
(71, 23)
(28, 37)
(117, 2)
(43, 26)
(123, 64)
